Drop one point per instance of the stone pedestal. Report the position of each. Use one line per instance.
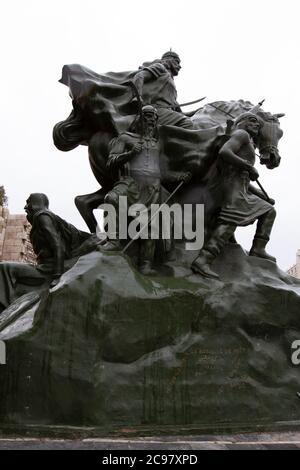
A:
(108, 347)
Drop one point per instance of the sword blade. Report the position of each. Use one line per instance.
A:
(263, 190)
(221, 110)
(192, 102)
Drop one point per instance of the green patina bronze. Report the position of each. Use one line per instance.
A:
(109, 347)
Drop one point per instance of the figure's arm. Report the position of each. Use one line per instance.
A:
(145, 74)
(229, 152)
(53, 239)
(121, 152)
(140, 78)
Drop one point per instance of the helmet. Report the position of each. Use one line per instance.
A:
(244, 116)
(149, 109)
(170, 55)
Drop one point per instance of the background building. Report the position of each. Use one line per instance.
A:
(295, 270)
(14, 238)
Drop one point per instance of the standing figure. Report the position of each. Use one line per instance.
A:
(243, 203)
(136, 157)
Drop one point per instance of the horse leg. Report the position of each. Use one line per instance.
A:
(86, 205)
(98, 154)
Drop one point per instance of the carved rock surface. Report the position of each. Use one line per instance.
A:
(110, 347)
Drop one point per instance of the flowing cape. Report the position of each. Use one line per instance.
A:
(107, 98)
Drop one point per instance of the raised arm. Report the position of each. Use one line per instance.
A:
(121, 152)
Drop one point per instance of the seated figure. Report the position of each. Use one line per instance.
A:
(57, 245)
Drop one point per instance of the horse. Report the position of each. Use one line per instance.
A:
(221, 112)
(92, 124)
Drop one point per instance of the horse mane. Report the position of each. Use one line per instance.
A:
(218, 112)
(266, 116)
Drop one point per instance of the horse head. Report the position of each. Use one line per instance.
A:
(268, 139)
(216, 114)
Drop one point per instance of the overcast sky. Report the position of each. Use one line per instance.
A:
(230, 49)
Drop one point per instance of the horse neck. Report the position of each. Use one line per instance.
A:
(225, 110)
(234, 108)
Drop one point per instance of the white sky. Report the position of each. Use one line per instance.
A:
(230, 49)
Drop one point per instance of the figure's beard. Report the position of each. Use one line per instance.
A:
(149, 130)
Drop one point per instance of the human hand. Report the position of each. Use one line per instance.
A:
(137, 148)
(253, 173)
(54, 283)
(185, 176)
(55, 279)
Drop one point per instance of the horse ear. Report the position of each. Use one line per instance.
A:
(279, 115)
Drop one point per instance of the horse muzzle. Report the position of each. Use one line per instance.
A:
(269, 156)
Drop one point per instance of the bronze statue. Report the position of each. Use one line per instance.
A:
(243, 203)
(104, 112)
(103, 109)
(57, 245)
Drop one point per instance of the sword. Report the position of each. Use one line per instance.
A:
(263, 190)
(192, 102)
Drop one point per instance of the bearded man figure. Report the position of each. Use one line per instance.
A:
(135, 157)
(155, 85)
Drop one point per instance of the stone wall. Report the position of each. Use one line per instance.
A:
(14, 238)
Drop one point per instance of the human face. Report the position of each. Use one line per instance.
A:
(252, 125)
(150, 120)
(28, 207)
(174, 65)
(33, 205)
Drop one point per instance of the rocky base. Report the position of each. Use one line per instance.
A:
(110, 347)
